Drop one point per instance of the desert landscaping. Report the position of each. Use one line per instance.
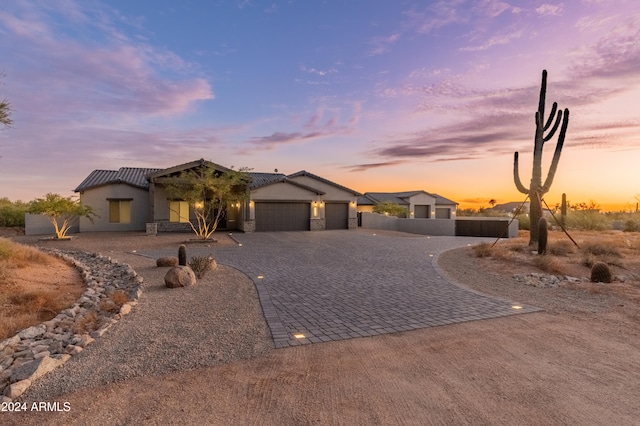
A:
(573, 363)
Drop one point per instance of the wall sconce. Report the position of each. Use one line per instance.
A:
(199, 205)
(250, 203)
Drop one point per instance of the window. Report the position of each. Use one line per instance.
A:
(178, 211)
(119, 211)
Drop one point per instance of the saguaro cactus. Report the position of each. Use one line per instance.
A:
(536, 189)
(563, 211)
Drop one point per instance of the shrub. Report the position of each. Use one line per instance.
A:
(588, 220)
(482, 250)
(601, 249)
(87, 323)
(631, 226)
(201, 264)
(119, 297)
(12, 213)
(548, 263)
(524, 222)
(561, 248)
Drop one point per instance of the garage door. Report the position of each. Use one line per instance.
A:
(336, 215)
(282, 217)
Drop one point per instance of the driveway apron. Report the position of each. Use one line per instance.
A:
(332, 285)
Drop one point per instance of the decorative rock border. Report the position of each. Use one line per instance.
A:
(35, 351)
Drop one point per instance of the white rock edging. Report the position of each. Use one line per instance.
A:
(37, 350)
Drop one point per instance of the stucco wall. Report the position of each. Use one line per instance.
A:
(412, 226)
(35, 224)
(283, 191)
(98, 199)
(424, 200)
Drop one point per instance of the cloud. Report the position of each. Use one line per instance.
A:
(315, 71)
(494, 41)
(550, 9)
(368, 166)
(383, 44)
(94, 77)
(614, 56)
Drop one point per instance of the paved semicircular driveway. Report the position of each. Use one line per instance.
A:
(335, 285)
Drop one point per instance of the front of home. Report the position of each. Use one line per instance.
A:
(129, 198)
(419, 204)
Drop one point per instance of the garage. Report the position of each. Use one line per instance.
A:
(282, 216)
(336, 215)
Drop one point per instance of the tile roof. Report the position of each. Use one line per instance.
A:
(400, 197)
(261, 179)
(134, 176)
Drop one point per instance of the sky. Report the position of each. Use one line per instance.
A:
(374, 95)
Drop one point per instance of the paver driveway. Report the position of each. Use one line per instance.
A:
(333, 285)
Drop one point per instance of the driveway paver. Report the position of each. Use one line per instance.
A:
(332, 285)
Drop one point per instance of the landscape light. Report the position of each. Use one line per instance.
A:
(299, 336)
(516, 307)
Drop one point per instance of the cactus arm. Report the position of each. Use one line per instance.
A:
(556, 154)
(555, 127)
(543, 93)
(516, 175)
(554, 108)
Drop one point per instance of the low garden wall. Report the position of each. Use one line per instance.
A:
(461, 226)
(37, 224)
(497, 227)
(413, 226)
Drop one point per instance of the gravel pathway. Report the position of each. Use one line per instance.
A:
(215, 322)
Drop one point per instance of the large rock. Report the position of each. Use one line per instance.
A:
(180, 276)
(15, 390)
(34, 369)
(167, 261)
(32, 332)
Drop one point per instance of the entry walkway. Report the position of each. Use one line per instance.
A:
(332, 285)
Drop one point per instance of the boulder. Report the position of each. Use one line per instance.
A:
(167, 261)
(180, 276)
(17, 389)
(34, 369)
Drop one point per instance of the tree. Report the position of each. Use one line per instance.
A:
(60, 210)
(12, 213)
(5, 111)
(536, 189)
(391, 209)
(209, 193)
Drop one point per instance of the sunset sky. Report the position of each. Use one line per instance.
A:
(375, 95)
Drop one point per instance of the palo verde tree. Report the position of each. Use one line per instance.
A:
(209, 193)
(536, 188)
(60, 211)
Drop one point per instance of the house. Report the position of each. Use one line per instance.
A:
(129, 198)
(419, 204)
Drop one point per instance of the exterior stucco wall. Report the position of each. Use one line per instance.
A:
(332, 194)
(98, 197)
(37, 224)
(442, 227)
(283, 191)
(424, 200)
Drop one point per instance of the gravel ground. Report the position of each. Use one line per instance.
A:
(170, 329)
